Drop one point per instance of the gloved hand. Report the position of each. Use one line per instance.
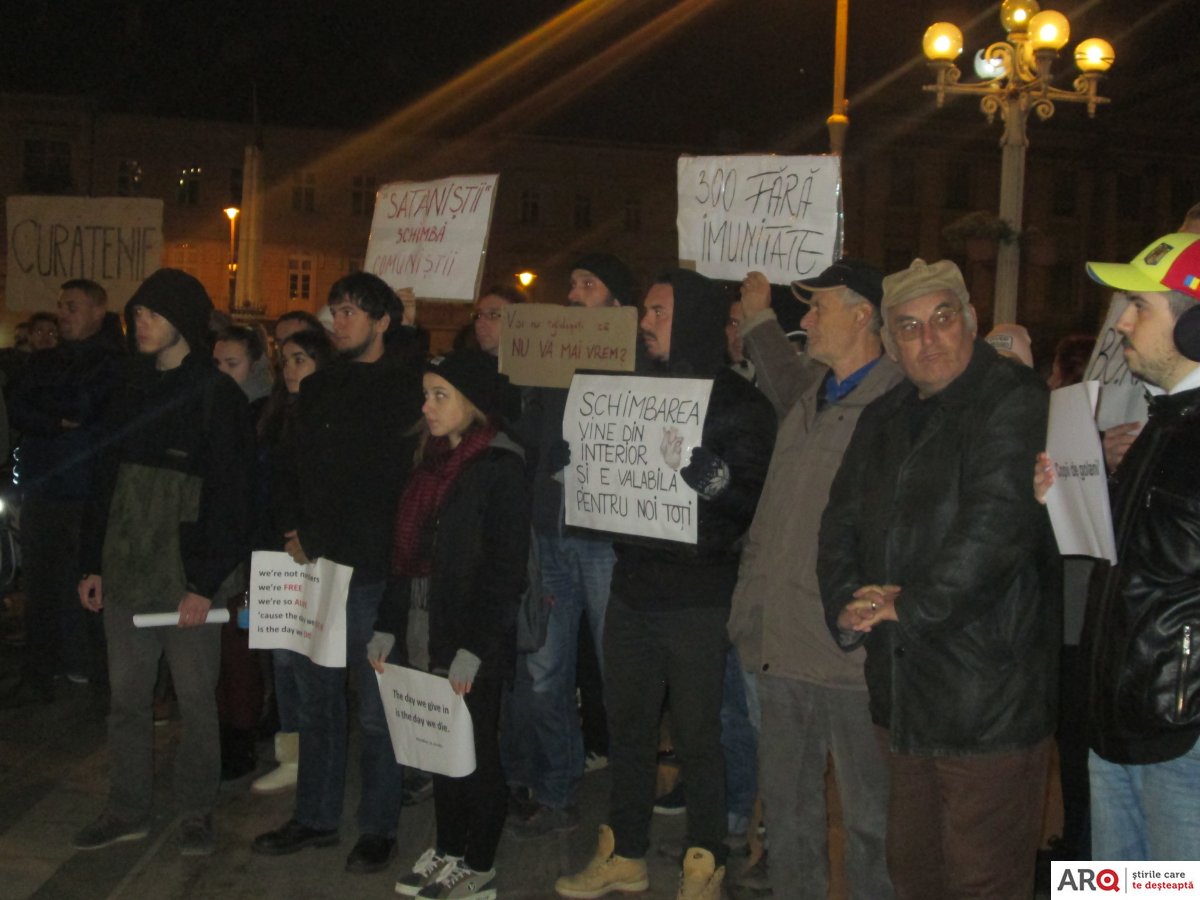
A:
(463, 669)
(379, 646)
(706, 473)
(558, 456)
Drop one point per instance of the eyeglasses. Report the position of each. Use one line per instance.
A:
(943, 319)
(494, 315)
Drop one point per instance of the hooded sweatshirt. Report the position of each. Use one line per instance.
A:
(739, 429)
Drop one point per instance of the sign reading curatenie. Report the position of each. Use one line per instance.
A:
(115, 241)
(779, 215)
(630, 435)
(431, 235)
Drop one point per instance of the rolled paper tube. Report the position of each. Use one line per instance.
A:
(156, 620)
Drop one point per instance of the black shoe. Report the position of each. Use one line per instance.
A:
(372, 853)
(291, 838)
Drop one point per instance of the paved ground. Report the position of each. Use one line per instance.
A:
(53, 779)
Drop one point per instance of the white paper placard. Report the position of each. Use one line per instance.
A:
(429, 724)
(1078, 499)
(300, 608)
(774, 214)
(1122, 394)
(431, 235)
(629, 436)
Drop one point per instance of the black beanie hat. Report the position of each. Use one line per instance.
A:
(181, 300)
(614, 273)
(473, 374)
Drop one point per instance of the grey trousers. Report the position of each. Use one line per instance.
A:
(194, 656)
(802, 723)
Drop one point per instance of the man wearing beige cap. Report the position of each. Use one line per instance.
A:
(934, 556)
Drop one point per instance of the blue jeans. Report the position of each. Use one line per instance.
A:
(576, 572)
(322, 720)
(287, 692)
(1146, 812)
(739, 741)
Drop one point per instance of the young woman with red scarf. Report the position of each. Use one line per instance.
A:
(462, 541)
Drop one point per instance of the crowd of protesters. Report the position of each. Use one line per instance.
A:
(874, 587)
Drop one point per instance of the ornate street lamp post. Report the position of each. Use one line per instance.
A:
(232, 212)
(1016, 79)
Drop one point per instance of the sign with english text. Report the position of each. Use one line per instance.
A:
(542, 344)
(430, 725)
(779, 215)
(431, 235)
(300, 608)
(114, 241)
(630, 435)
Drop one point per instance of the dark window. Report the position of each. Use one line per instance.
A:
(583, 211)
(958, 185)
(47, 166)
(903, 184)
(1063, 200)
(304, 192)
(300, 278)
(531, 208)
(129, 178)
(189, 187)
(362, 195)
(633, 214)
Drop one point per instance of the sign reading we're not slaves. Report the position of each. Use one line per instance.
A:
(779, 215)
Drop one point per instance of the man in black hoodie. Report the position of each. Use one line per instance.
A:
(57, 407)
(165, 527)
(665, 624)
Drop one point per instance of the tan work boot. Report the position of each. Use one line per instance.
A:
(701, 879)
(283, 777)
(606, 872)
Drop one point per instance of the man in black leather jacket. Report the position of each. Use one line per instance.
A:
(1140, 634)
(933, 554)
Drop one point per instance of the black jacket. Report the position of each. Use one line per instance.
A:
(348, 459)
(480, 555)
(71, 382)
(1142, 631)
(168, 510)
(947, 513)
(740, 429)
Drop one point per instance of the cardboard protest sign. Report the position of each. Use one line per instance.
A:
(779, 215)
(301, 608)
(1122, 394)
(543, 344)
(1078, 499)
(629, 437)
(431, 235)
(115, 241)
(429, 724)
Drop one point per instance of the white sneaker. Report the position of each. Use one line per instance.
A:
(424, 872)
(460, 882)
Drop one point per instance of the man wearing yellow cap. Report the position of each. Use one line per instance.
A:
(1142, 634)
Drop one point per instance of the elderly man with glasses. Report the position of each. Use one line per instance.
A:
(934, 555)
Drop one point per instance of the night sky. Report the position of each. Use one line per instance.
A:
(738, 74)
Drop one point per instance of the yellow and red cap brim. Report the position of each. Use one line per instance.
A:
(1171, 263)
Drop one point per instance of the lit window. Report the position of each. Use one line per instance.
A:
(189, 186)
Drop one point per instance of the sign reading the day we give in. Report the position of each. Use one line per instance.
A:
(629, 437)
(430, 236)
(116, 241)
(430, 725)
(542, 344)
(774, 214)
(300, 608)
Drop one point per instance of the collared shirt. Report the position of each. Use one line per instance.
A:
(1188, 382)
(833, 390)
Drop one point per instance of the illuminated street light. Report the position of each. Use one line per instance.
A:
(232, 212)
(526, 278)
(1016, 78)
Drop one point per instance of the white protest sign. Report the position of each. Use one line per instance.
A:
(431, 236)
(429, 724)
(115, 241)
(301, 608)
(629, 436)
(1122, 394)
(778, 215)
(1078, 499)
(542, 344)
